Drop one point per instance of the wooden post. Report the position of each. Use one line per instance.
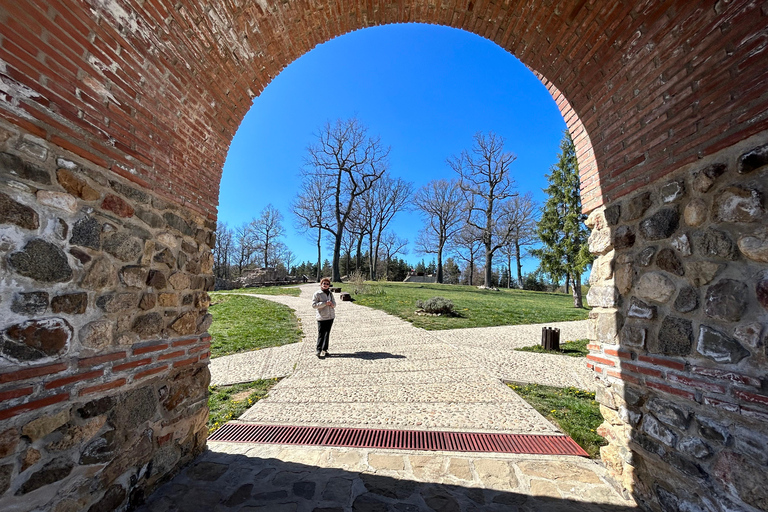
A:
(550, 338)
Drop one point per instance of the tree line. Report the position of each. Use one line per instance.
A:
(348, 198)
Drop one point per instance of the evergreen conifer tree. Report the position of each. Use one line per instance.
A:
(565, 251)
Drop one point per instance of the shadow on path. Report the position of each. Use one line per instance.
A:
(368, 356)
(235, 482)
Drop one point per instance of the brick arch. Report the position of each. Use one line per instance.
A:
(115, 122)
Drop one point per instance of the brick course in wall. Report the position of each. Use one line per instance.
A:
(115, 120)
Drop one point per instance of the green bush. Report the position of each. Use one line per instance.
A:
(437, 306)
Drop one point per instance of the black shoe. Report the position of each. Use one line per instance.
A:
(317, 354)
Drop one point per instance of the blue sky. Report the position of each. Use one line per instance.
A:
(425, 90)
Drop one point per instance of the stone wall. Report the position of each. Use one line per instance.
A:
(680, 296)
(103, 344)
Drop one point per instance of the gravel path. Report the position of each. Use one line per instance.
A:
(384, 373)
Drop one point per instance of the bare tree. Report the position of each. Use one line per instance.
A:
(266, 229)
(350, 163)
(467, 245)
(309, 207)
(441, 204)
(222, 251)
(392, 246)
(244, 248)
(522, 227)
(379, 205)
(484, 177)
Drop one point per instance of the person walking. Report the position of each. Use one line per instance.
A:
(325, 312)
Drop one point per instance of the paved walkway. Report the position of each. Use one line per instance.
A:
(384, 373)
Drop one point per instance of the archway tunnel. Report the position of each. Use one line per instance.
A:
(116, 119)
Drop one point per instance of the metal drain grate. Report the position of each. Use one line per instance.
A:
(399, 439)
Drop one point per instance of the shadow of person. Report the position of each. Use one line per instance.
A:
(369, 356)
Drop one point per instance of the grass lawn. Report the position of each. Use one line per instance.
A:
(477, 308)
(229, 402)
(242, 323)
(573, 410)
(575, 348)
(267, 290)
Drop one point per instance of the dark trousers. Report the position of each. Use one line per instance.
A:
(323, 333)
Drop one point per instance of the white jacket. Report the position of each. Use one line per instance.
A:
(322, 310)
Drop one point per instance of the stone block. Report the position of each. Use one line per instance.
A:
(726, 300)
(70, 303)
(36, 339)
(660, 225)
(738, 205)
(30, 304)
(42, 261)
(668, 261)
(720, 348)
(675, 337)
(695, 213)
(13, 212)
(753, 159)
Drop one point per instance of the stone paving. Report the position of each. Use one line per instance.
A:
(384, 373)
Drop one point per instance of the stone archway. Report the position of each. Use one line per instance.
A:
(116, 119)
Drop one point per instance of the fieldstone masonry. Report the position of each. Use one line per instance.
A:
(680, 316)
(103, 344)
(115, 119)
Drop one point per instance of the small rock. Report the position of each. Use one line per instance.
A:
(179, 281)
(660, 225)
(704, 179)
(646, 255)
(637, 206)
(749, 334)
(633, 336)
(24, 170)
(700, 273)
(186, 323)
(719, 347)
(148, 301)
(682, 244)
(713, 242)
(134, 276)
(726, 300)
(612, 214)
(672, 191)
(753, 159)
(695, 213)
(52, 472)
(59, 200)
(123, 246)
(755, 247)
(675, 337)
(687, 300)
(101, 275)
(44, 425)
(157, 280)
(603, 296)
(12, 212)
(70, 303)
(97, 335)
(42, 261)
(76, 186)
(668, 261)
(86, 233)
(761, 290)
(30, 304)
(148, 325)
(736, 204)
(624, 237)
(639, 309)
(117, 206)
(36, 339)
(655, 286)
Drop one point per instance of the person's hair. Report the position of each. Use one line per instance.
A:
(325, 279)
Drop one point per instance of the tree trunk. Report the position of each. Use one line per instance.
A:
(519, 265)
(319, 260)
(567, 283)
(488, 269)
(335, 271)
(509, 270)
(577, 303)
(439, 278)
(359, 256)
